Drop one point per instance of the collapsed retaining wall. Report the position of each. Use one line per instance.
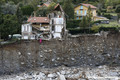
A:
(84, 51)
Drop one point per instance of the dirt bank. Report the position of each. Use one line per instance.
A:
(84, 51)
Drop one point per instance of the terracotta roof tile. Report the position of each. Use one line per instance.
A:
(38, 20)
(89, 5)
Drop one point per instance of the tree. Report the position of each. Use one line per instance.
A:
(84, 23)
(89, 16)
(34, 4)
(9, 8)
(27, 10)
(9, 25)
(69, 8)
(42, 12)
(118, 12)
(51, 6)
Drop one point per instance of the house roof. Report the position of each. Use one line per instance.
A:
(87, 5)
(58, 6)
(38, 20)
(45, 4)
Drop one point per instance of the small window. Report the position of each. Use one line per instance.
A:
(77, 12)
(77, 17)
(81, 7)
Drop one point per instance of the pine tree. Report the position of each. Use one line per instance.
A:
(69, 8)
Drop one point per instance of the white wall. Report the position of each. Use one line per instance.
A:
(58, 28)
(57, 35)
(26, 28)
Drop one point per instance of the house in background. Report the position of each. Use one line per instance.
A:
(82, 9)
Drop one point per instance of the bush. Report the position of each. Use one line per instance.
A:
(108, 29)
(73, 23)
(80, 31)
(103, 10)
(27, 10)
(109, 16)
(95, 28)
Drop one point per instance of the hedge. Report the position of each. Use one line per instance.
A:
(73, 23)
(80, 31)
(108, 29)
(74, 31)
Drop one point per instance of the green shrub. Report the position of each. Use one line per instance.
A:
(73, 23)
(80, 31)
(109, 16)
(108, 29)
(95, 28)
(103, 10)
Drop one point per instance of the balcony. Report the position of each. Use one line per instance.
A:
(44, 28)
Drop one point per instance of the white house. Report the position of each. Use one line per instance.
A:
(58, 22)
(27, 32)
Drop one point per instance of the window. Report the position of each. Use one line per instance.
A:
(27, 27)
(81, 7)
(77, 17)
(81, 12)
(85, 12)
(77, 12)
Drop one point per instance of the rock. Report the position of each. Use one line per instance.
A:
(73, 59)
(63, 72)
(19, 53)
(53, 59)
(51, 75)
(58, 58)
(61, 77)
(113, 74)
(29, 53)
(41, 56)
(22, 63)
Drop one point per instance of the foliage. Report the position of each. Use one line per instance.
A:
(80, 31)
(9, 25)
(95, 28)
(107, 15)
(27, 10)
(51, 6)
(117, 9)
(43, 11)
(69, 8)
(9, 8)
(84, 23)
(108, 29)
(34, 4)
(73, 23)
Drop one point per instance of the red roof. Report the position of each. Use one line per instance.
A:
(38, 20)
(89, 5)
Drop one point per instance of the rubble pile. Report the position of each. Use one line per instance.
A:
(67, 73)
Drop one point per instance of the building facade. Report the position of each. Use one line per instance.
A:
(46, 28)
(82, 10)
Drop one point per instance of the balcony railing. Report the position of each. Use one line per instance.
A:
(45, 28)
